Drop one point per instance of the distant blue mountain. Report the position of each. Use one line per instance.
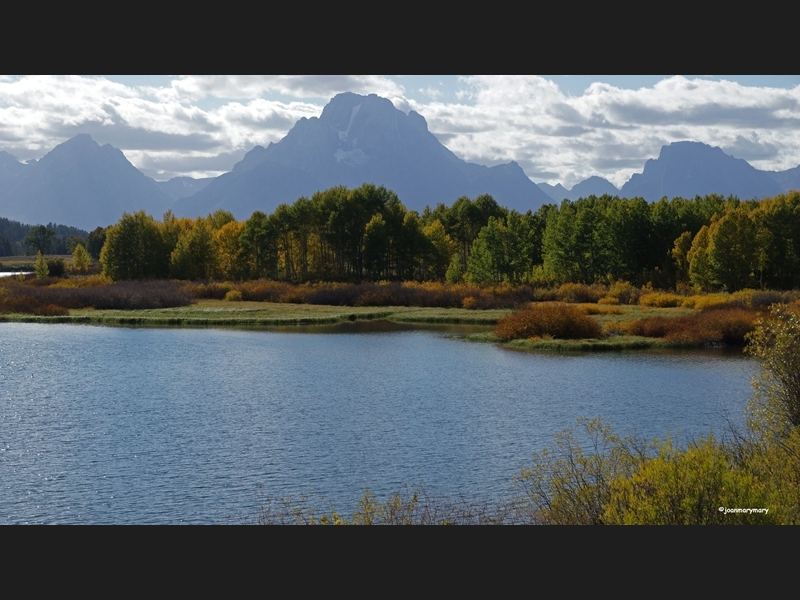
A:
(788, 180)
(359, 139)
(181, 187)
(688, 169)
(79, 183)
(593, 186)
(556, 192)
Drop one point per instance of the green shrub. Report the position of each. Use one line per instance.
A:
(624, 292)
(687, 487)
(570, 483)
(56, 267)
(775, 341)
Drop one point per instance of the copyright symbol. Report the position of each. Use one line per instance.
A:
(721, 509)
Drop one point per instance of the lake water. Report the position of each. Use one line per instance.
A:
(121, 425)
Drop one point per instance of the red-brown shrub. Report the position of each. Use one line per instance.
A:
(710, 326)
(50, 310)
(580, 292)
(32, 298)
(554, 320)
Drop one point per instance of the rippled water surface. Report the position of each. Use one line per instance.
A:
(116, 425)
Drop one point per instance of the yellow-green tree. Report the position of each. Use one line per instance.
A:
(231, 259)
(732, 249)
(195, 255)
(445, 248)
(80, 258)
(699, 267)
(134, 249)
(571, 483)
(775, 406)
(680, 255)
(40, 266)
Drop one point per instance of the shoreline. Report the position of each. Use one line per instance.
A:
(298, 317)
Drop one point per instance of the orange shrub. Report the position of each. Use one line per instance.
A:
(580, 292)
(50, 310)
(723, 325)
(624, 292)
(661, 300)
(599, 309)
(548, 320)
(616, 328)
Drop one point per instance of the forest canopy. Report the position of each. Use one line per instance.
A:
(367, 234)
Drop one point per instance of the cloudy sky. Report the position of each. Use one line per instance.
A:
(558, 128)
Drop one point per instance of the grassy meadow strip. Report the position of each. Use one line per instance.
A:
(221, 313)
(570, 317)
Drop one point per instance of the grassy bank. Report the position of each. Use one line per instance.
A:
(219, 313)
(523, 318)
(614, 344)
(614, 321)
(14, 263)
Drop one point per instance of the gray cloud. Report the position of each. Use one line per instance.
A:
(162, 168)
(126, 138)
(751, 149)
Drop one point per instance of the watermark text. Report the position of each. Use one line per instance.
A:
(747, 511)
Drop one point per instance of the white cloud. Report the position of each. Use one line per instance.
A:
(431, 92)
(610, 131)
(247, 87)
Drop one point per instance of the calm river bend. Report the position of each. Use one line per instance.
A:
(124, 425)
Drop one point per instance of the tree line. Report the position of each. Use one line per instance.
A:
(367, 234)
(18, 239)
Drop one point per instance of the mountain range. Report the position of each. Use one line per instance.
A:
(356, 139)
(594, 186)
(360, 139)
(78, 183)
